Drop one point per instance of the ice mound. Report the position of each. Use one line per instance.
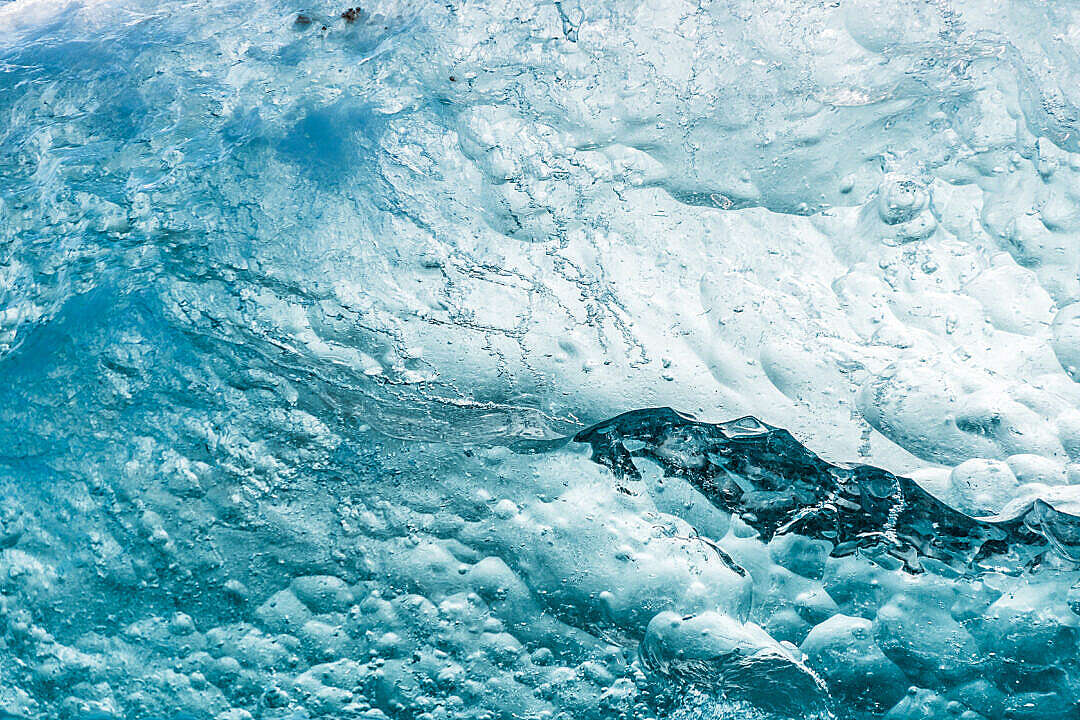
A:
(741, 660)
(320, 326)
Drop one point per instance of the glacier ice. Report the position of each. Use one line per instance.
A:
(329, 336)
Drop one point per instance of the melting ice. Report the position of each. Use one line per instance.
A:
(337, 344)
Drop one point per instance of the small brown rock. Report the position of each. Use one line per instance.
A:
(353, 14)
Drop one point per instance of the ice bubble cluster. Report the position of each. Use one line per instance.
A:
(328, 335)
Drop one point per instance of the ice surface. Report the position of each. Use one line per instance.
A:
(301, 308)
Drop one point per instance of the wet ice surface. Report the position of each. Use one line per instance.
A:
(301, 310)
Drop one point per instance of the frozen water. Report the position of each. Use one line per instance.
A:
(329, 333)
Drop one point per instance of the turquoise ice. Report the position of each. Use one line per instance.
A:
(337, 342)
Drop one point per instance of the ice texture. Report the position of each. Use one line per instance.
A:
(336, 343)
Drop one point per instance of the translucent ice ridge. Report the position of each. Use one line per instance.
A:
(777, 486)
